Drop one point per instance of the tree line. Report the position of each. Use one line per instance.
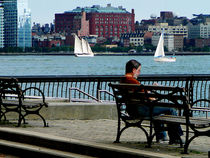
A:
(97, 48)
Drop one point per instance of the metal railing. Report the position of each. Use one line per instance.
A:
(96, 87)
(80, 92)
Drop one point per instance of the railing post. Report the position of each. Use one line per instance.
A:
(191, 90)
(209, 92)
(69, 94)
(98, 88)
(99, 95)
(189, 87)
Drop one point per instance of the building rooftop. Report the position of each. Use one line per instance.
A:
(129, 35)
(99, 9)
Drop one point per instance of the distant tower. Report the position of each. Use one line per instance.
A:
(1, 25)
(10, 23)
(24, 24)
(166, 15)
(17, 23)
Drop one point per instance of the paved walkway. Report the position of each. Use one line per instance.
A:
(104, 131)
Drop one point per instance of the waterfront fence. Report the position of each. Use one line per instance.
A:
(95, 88)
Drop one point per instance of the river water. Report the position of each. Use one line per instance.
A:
(98, 65)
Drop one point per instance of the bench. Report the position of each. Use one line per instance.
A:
(12, 99)
(128, 95)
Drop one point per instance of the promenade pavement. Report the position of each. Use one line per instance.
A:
(104, 131)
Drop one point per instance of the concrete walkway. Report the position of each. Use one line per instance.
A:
(104, 131)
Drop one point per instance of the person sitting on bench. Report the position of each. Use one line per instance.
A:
(133, 69)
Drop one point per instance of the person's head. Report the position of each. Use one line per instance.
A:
(134, 67)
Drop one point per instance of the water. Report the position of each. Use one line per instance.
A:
(98, 65)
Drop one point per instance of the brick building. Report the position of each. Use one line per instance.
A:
(202, 43)
(109, 22)
(68, 23)
(48, 40)
(178, 42)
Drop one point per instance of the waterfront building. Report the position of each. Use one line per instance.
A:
(132, 39)
(69, 23)
(125, 40)
(174, 30)
(180, 21)
(24, 24)
(166, 17)
(92, 39)
(178, 42)
(148, 37)
(143, 26)
(197, 42)
(44, 29)
(201, 43)
(168, 40)
(201, 30)
(1, 25)
(200, 18)
(108, 22)
(10, 23)
(48, 40)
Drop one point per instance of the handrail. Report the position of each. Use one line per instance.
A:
(105, 91)
(80, 91)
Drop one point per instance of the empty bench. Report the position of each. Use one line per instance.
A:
(128, 95)
(13, 99)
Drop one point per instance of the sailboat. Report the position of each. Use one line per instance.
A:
(160, 54)
(82, 47)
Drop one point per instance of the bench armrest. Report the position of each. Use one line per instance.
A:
(39, 91)
(204, 109)
(200, 100)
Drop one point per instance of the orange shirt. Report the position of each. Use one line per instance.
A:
(129, 79)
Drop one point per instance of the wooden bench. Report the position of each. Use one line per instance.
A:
(130, 95)
(12, 100)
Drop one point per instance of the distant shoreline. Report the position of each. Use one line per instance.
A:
(107, 54)
(152, 53)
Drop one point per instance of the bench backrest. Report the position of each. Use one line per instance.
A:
(133, 95)
(9, 86)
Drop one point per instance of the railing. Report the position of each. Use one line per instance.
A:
(96, 87)
(81, 92)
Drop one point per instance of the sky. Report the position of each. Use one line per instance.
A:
(43, 11)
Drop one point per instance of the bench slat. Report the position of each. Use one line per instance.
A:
(182, 120)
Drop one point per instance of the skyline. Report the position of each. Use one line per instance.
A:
(43, 11)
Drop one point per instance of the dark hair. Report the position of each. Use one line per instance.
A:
(130, 65)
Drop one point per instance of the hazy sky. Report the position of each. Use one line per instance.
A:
(43, 11)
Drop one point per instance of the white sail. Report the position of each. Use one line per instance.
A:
(160, 54)
(89, 49)
(160, 47)
(77, 45)
(84, 46)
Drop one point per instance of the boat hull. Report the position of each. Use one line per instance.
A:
(84, 55)
(165, 59)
